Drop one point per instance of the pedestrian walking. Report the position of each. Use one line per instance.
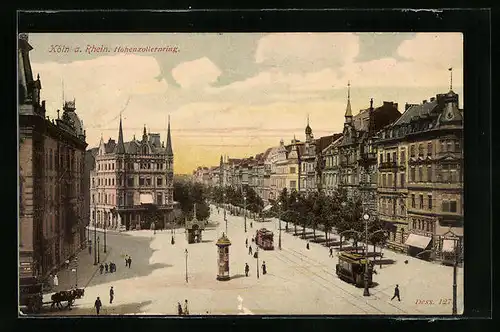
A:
(247, 269)
(106, 267)
(331, 251)
(179, 309)
(55, 280)
(246, 242)
(396, 293)
(126, 260)
(250, 250)
(253, 239)
(90, 248)
(251, 224)
(98, 305)
(129, 261)
(111, 295)
(264, 269)
(186, 310)
(307, 246)
(101, 268)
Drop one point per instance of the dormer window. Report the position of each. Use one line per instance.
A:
(145, 149)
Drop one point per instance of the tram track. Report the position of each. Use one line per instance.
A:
(311, 275)
(317, 263)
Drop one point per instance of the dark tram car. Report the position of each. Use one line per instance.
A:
(264, 239)
(351, 268)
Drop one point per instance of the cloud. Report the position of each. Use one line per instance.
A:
(288, 49)
(196, 73)
(440, 50)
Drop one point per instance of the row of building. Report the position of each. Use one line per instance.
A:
(407, 167)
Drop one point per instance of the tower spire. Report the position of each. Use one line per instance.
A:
(169, 140)
(120, 147)
(348, 110)
(451, 78)
(144, 134)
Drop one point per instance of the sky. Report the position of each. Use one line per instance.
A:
(237, 94)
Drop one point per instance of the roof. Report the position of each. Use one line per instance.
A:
(323, 142)
(416, 111)
(383, 115)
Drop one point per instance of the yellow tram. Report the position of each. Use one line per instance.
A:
(351, 268)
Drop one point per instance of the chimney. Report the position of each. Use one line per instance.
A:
(424, 101)
(395, 105)
(432, 99)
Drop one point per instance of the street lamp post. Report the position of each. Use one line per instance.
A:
(279, 223)
(225, 218)
(95, 235)
(98, 253)
(186, 252)
(366, 217)
(105, 222)
(257, 254)
(245, 211)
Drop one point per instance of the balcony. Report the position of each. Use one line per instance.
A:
(368, 156)
(388, 165)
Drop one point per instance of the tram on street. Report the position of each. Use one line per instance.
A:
(351, 268)
(264, 239)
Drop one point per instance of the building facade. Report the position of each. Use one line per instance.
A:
(131, 179)
(421, 175)
(51, 177)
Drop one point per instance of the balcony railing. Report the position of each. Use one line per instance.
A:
(388, 165)
(368, 156)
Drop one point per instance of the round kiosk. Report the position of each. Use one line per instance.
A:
(223, 257)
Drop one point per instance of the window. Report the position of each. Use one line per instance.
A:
(148, 181)
(457, 146)
(420, 174)
(130, 199)
(141, 181)
(159, 198)
(402, 179)
(412, 151)
(443, 146)
(420, 149)
(93, 198)
(449, 146)
(130, 182)
(445, 206)
(429, 200)
(381, 158)
(412, 200)
(388, 157)
(389, 180)
(292, 170)
(293, 184)
(414, 224)
(394, 157)
(384, 182)
(402, 157)
(412, 174)
(429, 149)
(453, 206)
(421, 201)
(159, 181)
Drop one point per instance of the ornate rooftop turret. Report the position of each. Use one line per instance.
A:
(170, 152)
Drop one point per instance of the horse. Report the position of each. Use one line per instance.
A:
(68, 296)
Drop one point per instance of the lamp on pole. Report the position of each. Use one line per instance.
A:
(186, 252)
(279, 223)
(257, 254)
(105, 222)
(95, 235)
(245, 211)
(366, 217)
(225, 218)
(98, 253)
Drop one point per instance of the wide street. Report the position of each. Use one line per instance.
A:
(299, 281)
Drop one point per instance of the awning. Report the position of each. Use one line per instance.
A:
(418, 241)
(448, 245)
(267, 208)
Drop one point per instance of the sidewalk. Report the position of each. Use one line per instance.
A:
(101, 230)
(85, 270)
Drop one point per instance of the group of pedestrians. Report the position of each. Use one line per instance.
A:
(128, 261)
(111, 267)
(98, 303)
(264, 268)
(182, 311)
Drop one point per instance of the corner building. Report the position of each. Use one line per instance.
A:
(420, 162)
(51, 225)
(131, 180)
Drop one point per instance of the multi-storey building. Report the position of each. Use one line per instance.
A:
(358, 163)
(420, 191)
(129, 177)
(51, 164)
(307, 159)
(331, 169)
